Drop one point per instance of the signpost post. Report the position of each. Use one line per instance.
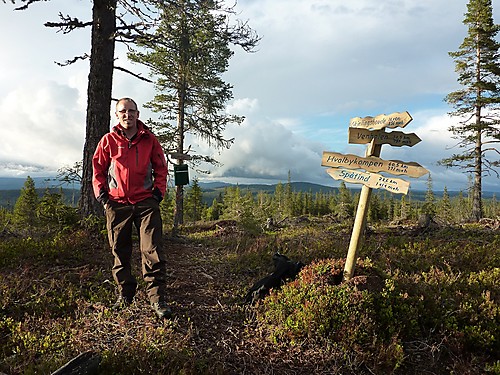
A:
(371, 131)
(360, 220)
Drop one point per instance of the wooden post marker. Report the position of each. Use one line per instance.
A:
(371, 131)
(394, 120)
(397, 139)
(372, 163)
(372, 180)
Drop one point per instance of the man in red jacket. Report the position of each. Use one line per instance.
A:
(130, 180)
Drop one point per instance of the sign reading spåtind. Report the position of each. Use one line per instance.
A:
(373, 180)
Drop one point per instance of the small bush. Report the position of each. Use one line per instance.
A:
(379, 317)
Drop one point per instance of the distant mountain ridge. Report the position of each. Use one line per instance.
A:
(10, 189)
(15, 183)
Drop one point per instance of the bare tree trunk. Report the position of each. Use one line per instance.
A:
(179, 207)
(477, 203)
(477, 208)
(181, 94)
(99, 94)
(179, 192)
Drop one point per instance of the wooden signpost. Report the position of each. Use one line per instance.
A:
(372, 164)
(372, 180)
(395, 138)
(371, 131)
(394, 120)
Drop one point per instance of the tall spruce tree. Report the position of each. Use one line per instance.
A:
(26, 206)
(445, 212)
(187, 56)
(345, 209)
(194, 202)
(477, 103)
(429, 206)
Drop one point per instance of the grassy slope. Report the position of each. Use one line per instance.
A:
(55, 298)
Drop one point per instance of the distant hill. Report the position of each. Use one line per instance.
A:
(213, 190)
(15, 183)
(10, 188)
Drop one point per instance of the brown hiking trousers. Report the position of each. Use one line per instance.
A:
(145, 215)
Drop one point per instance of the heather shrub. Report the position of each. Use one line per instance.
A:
(381, 317)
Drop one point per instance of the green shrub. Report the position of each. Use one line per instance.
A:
(376, 315)
(318, 309)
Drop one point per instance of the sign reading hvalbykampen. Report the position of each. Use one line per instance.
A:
(373, 180)
(372, 164)
(394, 120)
(380, 137)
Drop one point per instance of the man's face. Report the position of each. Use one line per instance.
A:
(127, 114)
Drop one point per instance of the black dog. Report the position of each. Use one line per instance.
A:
(284, 270)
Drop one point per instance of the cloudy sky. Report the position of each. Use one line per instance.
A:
(319, 64)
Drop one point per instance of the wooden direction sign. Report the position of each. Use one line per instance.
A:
(372, 180)
(179, 156)
(394, 120)
(372, 164)
(394, 138)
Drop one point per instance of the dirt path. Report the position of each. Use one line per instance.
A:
(218, 324)
(198, 296)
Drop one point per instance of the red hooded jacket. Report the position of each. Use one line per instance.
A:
(129, 171)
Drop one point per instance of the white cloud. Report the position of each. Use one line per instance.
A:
(244, 106)
(44, 127)
(331, 54)
(319, 63)
(267, 150)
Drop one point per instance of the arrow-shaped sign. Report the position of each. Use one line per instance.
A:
(394, 138)
(394, 120)
(372, 164)
(372, 180)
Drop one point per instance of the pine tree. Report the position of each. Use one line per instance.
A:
(52, 211)
(461, 208)
(25, 209)
(429, 206)
(194, 202)
(214, 211)
(188, 55)
(404, 212)
(263, 209)
(345, 208)
(279, 201)
(374, 210)
(167, 207)
(444, 211)
(478, 71)
(288, 203)
(104, 34)
(494, 209)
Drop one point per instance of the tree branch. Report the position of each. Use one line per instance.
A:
(133, 74)
(85, 56)
(28, 2)
(68, 24)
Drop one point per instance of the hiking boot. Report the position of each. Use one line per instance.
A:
(122, 302)
(162, 310)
